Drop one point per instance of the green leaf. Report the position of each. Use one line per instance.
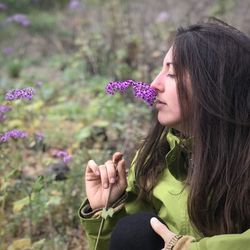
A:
(38, 245)
(107, 213)
(104, 213)
(4, 185)
(38, 184)
(110, 212)
(35, 106)
(84, 133)
(13, 172)
(54, 200)
(101, 123)
(19, 244)
(20, 204)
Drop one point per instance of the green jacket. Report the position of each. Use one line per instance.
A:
(169, 201)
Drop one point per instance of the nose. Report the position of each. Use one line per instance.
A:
(157, 83)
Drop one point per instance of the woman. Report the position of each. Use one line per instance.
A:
(193, 169)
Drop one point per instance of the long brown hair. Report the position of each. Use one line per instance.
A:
(217, 59)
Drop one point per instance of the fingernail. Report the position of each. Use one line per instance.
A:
(97, 172)
(105, 185)
(153, 220)
(112, 180)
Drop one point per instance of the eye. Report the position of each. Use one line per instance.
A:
(171, 75)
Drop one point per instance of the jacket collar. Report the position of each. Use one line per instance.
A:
(177, 157)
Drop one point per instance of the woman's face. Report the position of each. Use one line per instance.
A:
(167, 102)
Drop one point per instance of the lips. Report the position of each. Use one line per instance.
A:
(160, 102)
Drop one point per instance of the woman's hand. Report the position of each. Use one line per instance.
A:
(162, 231)
(99, 178)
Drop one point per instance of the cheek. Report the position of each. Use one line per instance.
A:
(171, 114)
(173, 100)
(176, 106)
(174, 109)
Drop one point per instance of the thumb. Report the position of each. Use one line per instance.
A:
(161, 229)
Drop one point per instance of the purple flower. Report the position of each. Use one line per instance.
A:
(14, 94)
(141, 90)
(7, 51)
(3, 6)
(2, 117)
(162, 17)
(74, 4)
(39, 136)
(4, 108)
(61, 154)
(64, 155)
(67, 158)
(20, 19)
(15, 134)
(120, 87)
(39, 83)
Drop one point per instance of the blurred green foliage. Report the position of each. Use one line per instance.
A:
(14, 68)
(28, 5)
(42, 22)
(222, 7)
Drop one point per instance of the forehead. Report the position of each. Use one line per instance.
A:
(169, 57)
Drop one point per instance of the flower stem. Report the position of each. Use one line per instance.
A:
(103, 219)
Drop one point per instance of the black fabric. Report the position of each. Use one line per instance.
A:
(134, 232)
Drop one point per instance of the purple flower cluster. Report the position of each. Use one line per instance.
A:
(141, 90)
(162, 17)
(74, 4)
(3, 109)
(39, 136)
(2, 117)
(64, 155)
(15, 134)
(120, 87)
(20, 19)
(14, 94)
(3, 6)
(7, 51)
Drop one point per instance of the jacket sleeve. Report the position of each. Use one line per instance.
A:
(223, 242)
(126, 205)
(91, 224)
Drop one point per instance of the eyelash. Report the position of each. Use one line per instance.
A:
(171, 75)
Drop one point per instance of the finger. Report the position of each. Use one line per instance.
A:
(111, 171)
(117, 156)
(104, 176)
(92, 167)
(121, 172)
(161, 229)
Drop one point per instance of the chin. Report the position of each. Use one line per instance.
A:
(169, 123)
